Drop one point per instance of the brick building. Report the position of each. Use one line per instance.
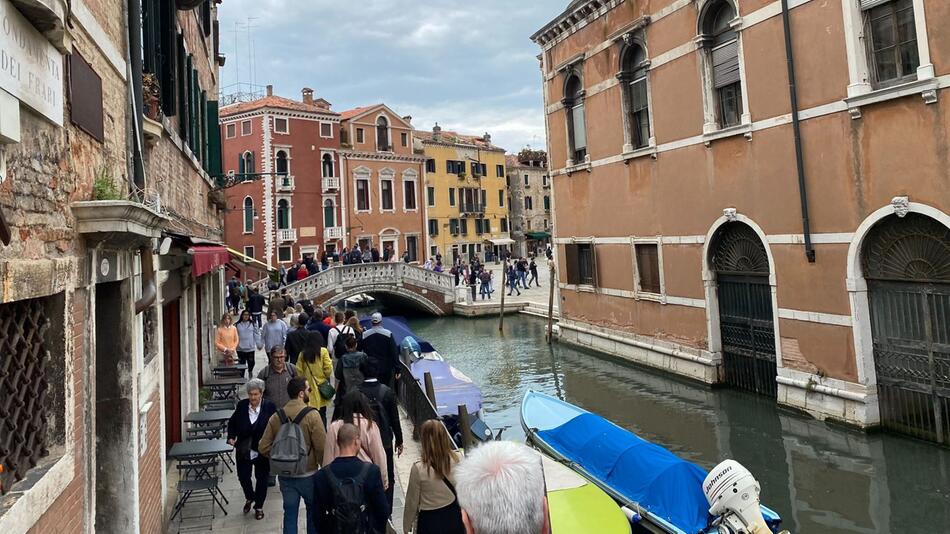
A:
(529, 187)
(287, 205)
(381, 183)
(111, 278)
(719, 222)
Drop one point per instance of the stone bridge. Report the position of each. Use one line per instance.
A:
(404, 283)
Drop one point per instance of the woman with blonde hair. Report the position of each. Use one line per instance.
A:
(226, 339)
(354, 323)
(431, 503)
(315, 365)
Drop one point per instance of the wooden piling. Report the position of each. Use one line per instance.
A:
(551, 303)
(430, 389)
(465, 425)
(501, 314)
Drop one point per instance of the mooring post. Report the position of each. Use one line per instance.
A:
(430, 389)
(551, 302)
(465, 425)
(501, 314)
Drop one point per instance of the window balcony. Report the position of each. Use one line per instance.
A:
(287, 235)
(285, 184)
(333, 232)
(330, 184)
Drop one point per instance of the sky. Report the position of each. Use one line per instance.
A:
(469, 65)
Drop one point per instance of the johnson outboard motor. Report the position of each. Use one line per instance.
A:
(409, 350)
(733, 496)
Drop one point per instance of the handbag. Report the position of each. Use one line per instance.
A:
(327, 391)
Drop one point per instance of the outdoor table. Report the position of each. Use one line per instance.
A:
(225, 388)
(234, 371)
(209, 417)
(189, 452)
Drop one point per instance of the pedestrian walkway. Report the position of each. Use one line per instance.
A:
(533, 300)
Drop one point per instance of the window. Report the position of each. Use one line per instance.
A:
(329, 214)
(544, 180)
(284, 254)
(576, 127)
(479, 169)
(433, 227)
(486, 226)
(283, 214)
(528, 203)
(433, 251)
(412, 243)
(484, 200)
(500, 171)
(382, 135)
(648, 267)
(246, 163)
(721, 44)
(248, 215)
(529, 224)
(362, 194)
(326, 130)
(463, 226)
(281, 125)
(230, 131)
(526, 178)
(504, 224)
(430, 196)
(452, 196)
(633, 79)
(282, 164)
(430, 165)
(478, 227)
(581, 263)
(454, 167)
(249, 251)
(547, 203)
(360, 137)
(454, 226)
(328, 166)
(245, 128)
(386, 194)
(405, 140)
(501, 198)
(892, 45)
(409, 194)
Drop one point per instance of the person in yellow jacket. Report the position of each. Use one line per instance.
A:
(315, 365)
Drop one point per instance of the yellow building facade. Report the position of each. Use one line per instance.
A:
(466, 196)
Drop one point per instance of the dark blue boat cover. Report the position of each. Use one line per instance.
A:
(400, 330)
(648, 474)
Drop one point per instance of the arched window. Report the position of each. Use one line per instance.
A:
(283, 214)
(576, 128)
(382, 134)
(246, 163)
(721, 45)
(328, 166)
(283, 166)
(248, 215)
(633, 79)
(329, 214)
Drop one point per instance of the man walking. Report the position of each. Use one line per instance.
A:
(296, 482)
(383, 400)
(348, 371)
(276, 376)
(513, 280)
(255, 305)
(336, 338)
(379, 344)
(523, 272)
(298, 338)
(349, 491)
(533, 267)
(485, 280)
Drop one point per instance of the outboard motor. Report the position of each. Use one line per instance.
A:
(733, 496)
(410, 351)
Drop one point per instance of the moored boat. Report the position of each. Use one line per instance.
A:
(578, 506)
(664, 492)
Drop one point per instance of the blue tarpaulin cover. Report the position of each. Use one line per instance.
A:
(661, 482)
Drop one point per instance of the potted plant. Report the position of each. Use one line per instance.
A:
(152, 96)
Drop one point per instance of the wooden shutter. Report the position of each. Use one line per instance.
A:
(214, 139)
(241, 169)
(252, 165)
(726, 64)
(571, 265)
(182, 86)
(168, 55)
(868, 4)
(593, 265)
(151, 35)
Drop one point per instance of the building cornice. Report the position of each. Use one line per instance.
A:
(325, 116)
(380, 156)
(572, 20)
(462, 145)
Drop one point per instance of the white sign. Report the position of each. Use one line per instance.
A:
(31, 68)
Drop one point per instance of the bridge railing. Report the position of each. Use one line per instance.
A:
(346, 277)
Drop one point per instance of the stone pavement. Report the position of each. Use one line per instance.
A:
(535, 298)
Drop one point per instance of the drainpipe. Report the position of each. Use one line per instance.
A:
(796, 128)
(149, 291)
(137, 100)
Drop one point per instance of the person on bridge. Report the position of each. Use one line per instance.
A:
(383, 400)
(379, 344)
(292, 274)
(431, 504)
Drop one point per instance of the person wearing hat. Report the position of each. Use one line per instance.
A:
(380, 345)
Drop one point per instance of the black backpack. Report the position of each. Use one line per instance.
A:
(349, 502)
(339, 344)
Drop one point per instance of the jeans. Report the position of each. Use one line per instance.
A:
(522, 276)
(391, 473)
(485, 291)
(256, 317)
(247, 358)
(293, 489)
(254, 492)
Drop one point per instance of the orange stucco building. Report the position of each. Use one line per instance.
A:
(690, 238)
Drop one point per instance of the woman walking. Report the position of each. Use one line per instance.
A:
(249, 340)
(356, 410)
(315, 366)
(431, 504)
(226, 339)
(245, 429)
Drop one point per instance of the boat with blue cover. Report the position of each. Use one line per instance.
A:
(661, 492)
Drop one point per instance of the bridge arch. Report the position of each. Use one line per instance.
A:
(400, 293)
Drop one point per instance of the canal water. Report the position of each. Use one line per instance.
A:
(820, 478)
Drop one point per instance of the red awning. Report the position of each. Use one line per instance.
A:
(205, 258)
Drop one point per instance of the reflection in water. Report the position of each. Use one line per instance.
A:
(821, 479)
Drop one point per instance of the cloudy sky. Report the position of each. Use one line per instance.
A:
(468, 65)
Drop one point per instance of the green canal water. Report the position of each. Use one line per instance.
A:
(820, 478)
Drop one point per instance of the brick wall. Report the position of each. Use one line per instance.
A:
(151, 493)
(65, 516)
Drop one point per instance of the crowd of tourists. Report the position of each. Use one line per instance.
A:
(342, 468)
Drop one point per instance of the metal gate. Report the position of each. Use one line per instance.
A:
(907, 264)
(745, 309)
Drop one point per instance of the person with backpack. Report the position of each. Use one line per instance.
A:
(294, 441)
(347, 371)
(336, 339)
(349, 494)
(431, 504)
(356, 410)
(277, 376)
(383, 400)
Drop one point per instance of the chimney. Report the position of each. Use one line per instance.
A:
(436, 132)
(408, 118)
(270, 90)
(307, 96)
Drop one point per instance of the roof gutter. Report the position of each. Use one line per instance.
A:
(796, 128)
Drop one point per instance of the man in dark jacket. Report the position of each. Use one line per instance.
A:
(316, 324)
(383, 400)
(374, 253)
(374, 508)
(379, 344)
(245, 429)
(298, 338)
(292, 274)
(255, 305)
(348, 371)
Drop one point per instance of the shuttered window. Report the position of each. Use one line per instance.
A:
(648, 267)
(454, 226)
(214, 139)
(433, 227)
(726, 64)
(463, 226)
(581, 264)
(504, 224)
(722, 48)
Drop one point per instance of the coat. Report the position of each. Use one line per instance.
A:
(371, 451)
(317, 373)
(241, 429)
(315, 435)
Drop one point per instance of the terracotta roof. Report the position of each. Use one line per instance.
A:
(450, 137)
(273, 102)
(350, 113)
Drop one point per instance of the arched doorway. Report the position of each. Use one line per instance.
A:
(906, 263)
(747, 326)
